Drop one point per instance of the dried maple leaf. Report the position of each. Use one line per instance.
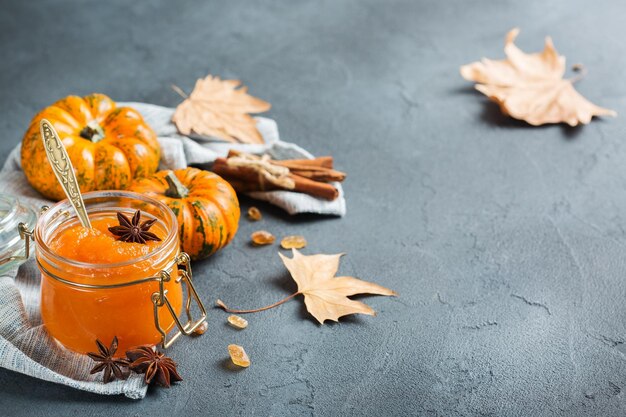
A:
(221, 109)
(325, 296)
(531, 87)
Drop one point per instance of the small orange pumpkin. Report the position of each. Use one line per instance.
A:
(205, 205)
(109, 146)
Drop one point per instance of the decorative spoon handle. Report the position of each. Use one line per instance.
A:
(63, 170)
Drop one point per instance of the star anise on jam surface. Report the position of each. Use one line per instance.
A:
(156, 366)
(130, 230)
(112, 367)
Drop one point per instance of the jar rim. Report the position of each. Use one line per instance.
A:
(47, 216)
(11, 202)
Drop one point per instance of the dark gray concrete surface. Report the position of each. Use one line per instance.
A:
(506, 242)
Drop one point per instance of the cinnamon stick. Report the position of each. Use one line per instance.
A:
(321, 161)
(323, 174)
(245, 180)
(314, 188)
(318, 169)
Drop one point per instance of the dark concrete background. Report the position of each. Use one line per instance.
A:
(506, 242)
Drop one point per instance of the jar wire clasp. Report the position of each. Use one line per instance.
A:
(159, 299)
(26, 235)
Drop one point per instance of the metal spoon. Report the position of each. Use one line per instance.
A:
(63, 170)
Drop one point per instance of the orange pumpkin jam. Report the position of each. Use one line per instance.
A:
(77, 316)
(99, 246)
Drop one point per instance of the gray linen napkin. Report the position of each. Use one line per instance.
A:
(25, 346)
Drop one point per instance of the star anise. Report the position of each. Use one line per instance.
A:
(131, 231)
(112, 367)
(156, 366)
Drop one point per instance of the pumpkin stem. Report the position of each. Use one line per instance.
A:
(176, 188)
(92, 132)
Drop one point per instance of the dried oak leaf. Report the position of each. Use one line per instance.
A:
(531, 87)
(326, 296)
(221, 109)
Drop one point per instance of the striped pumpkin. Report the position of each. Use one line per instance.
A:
(205, 205)
(109, 146)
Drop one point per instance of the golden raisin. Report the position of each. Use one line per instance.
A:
(238, 356)
(293, 242)
(254, 214)
(201, 329)
(262, 237)
(237, 322)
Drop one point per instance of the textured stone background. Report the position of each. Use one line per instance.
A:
(506, 242)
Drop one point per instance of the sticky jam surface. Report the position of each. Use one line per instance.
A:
(99, 246)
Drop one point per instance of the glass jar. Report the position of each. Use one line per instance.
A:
(82, 302)
(14, 215)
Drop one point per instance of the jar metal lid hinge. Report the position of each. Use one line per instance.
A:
(159, 299)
